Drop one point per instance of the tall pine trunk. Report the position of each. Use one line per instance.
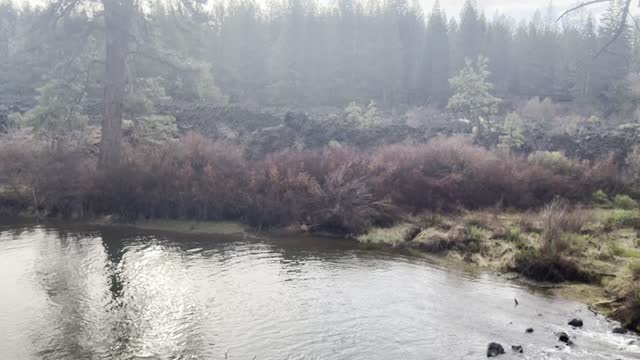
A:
(117, 19)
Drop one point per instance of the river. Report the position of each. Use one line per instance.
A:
(74, 292)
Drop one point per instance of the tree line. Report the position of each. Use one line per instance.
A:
(69, 58)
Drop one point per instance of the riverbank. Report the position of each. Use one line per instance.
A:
(591, 255)
(188, 227)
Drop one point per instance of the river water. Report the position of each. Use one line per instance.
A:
(114, 293)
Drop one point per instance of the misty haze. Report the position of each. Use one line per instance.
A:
(314, 179)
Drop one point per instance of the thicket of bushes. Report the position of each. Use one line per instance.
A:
(335, 189)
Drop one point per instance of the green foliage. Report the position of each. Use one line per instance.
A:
(620, 250)
(366, 119)
(475, 233)
(58, 115)
(514, 234)
(512, 137)
(624, 202)
(621, 218)
(600, 198)
(146, 96)
(155, 129)
(634, 270)
(472, 90)
(552, 160)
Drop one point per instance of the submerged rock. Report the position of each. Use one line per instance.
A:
(517, 348)
(494, 350)
(619, 330)
(576, 322)
(529, 330)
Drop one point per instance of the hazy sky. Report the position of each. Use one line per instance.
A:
(515, 8)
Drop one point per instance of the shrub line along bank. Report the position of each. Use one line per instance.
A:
(340, 190)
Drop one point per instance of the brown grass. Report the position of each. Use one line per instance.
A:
(552, 261)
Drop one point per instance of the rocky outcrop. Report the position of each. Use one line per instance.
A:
(268, 130)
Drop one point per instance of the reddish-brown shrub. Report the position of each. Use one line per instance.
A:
(191, 178)
(328, 190)
(52, 183)
(451, 172)
(341, 190)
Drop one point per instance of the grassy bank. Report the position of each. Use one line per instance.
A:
(593, 252)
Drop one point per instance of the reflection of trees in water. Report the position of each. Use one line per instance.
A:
(114, 248)
(63, 331)
(108, 295)
(120, 323)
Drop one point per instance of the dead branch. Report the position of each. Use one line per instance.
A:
(580, 6)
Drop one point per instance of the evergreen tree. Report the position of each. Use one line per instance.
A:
(472, 90)
(612, 64)
(436, 58)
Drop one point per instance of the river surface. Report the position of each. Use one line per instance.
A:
(113, 293)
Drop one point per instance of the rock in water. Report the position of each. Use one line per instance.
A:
(619, 330)
(576, 322)
(529, 330)
(494, 350)
(517, 348)
(564, 337)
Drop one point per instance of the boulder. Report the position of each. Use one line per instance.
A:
(564, 337)
(529, 330)
(517, 348)
(576, 322)
(494, 350)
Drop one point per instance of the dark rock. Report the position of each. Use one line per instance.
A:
(494, 350)
(411, 233)
(517, 348)
(576, 322)
(564, 337)
(529, 330)
(619, 330)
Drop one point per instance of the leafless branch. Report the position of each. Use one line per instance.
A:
(580, 6)
(635, 21)
(624, 17)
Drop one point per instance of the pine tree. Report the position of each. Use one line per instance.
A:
(436, 58)
(612, 64)
(472, 90)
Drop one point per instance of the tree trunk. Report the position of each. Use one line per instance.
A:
(117, 19)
